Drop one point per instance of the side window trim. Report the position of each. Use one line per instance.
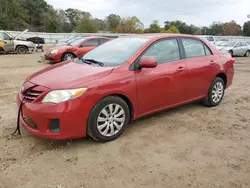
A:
(203, 44)
(133, 66)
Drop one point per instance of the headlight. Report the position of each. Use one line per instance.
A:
(54, 51)
(58, 96)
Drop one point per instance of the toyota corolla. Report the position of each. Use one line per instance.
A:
(124, 79)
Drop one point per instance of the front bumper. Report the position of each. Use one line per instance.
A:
(54, 58)
(71, 115)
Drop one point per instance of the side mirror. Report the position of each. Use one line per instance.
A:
(147, 63)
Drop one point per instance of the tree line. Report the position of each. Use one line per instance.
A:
(38, 15)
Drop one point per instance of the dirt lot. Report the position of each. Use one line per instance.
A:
(191, 146)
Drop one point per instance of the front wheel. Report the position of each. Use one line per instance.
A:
(108, 119)
(68, 56)
(215, 93)
(21, 50)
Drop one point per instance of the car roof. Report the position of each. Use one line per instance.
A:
(159, 36)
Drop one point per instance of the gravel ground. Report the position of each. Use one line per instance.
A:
(191, 146)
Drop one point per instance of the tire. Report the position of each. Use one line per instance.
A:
(247, 53)
(210, 100)
(21, 50)
(231, 52)
(68, 56)
(101, 130)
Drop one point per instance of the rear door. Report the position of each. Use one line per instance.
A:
(88, 45)
(201, 67)
(164, 85)
(244, 48)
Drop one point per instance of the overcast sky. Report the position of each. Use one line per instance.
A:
(198, 12)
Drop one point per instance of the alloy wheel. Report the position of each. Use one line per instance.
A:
(110, 120)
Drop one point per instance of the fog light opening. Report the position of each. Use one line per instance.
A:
(54, 125)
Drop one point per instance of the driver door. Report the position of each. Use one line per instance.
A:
(88, 45)
(164, 85)
(8, 43)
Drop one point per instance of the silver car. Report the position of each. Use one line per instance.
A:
(235, 48)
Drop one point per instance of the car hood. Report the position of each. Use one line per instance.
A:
(68, 74)
(21, 33)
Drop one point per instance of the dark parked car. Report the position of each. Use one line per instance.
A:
(36, 40)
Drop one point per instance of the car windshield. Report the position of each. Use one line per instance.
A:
(229, 44)
(116, 51)
(75, 41)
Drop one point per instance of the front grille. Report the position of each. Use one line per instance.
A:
(30, 122)
(32, 95)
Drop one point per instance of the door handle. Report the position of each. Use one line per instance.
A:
(181, 69)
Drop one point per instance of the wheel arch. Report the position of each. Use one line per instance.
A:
(21, 45)
(67, 52)
(223, 76)
(126, 99)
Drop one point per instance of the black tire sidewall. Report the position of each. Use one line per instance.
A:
(92, 129)
(21, 47)
(210, 100)
(247, 53)
(231, 52)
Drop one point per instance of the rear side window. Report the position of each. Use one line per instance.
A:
(164, 51)
(91, 42)
(195, 48)
(243, 44)
(104, 40)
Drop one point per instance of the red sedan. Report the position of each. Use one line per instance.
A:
(122, 80)
(75, 48)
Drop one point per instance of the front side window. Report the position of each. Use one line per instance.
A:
(237, 45)
(164, 51)
(243, 44)
(195, 48)
(76, 41)
(91, 42)
(6, 37)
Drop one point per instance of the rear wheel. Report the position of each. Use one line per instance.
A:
(247, 53)
(21, 50)
(108, 119)
(215, 92)
(68, 56)
(231, 52)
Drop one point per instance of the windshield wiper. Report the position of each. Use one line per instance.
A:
(89, 61)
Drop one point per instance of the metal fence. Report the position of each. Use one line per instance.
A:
(52, 37)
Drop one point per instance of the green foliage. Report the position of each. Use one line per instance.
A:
(173, 29)
(154, 27)
(246, 28)
(38, 15)
(85, 26)
(130, 25)
(113, 20)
